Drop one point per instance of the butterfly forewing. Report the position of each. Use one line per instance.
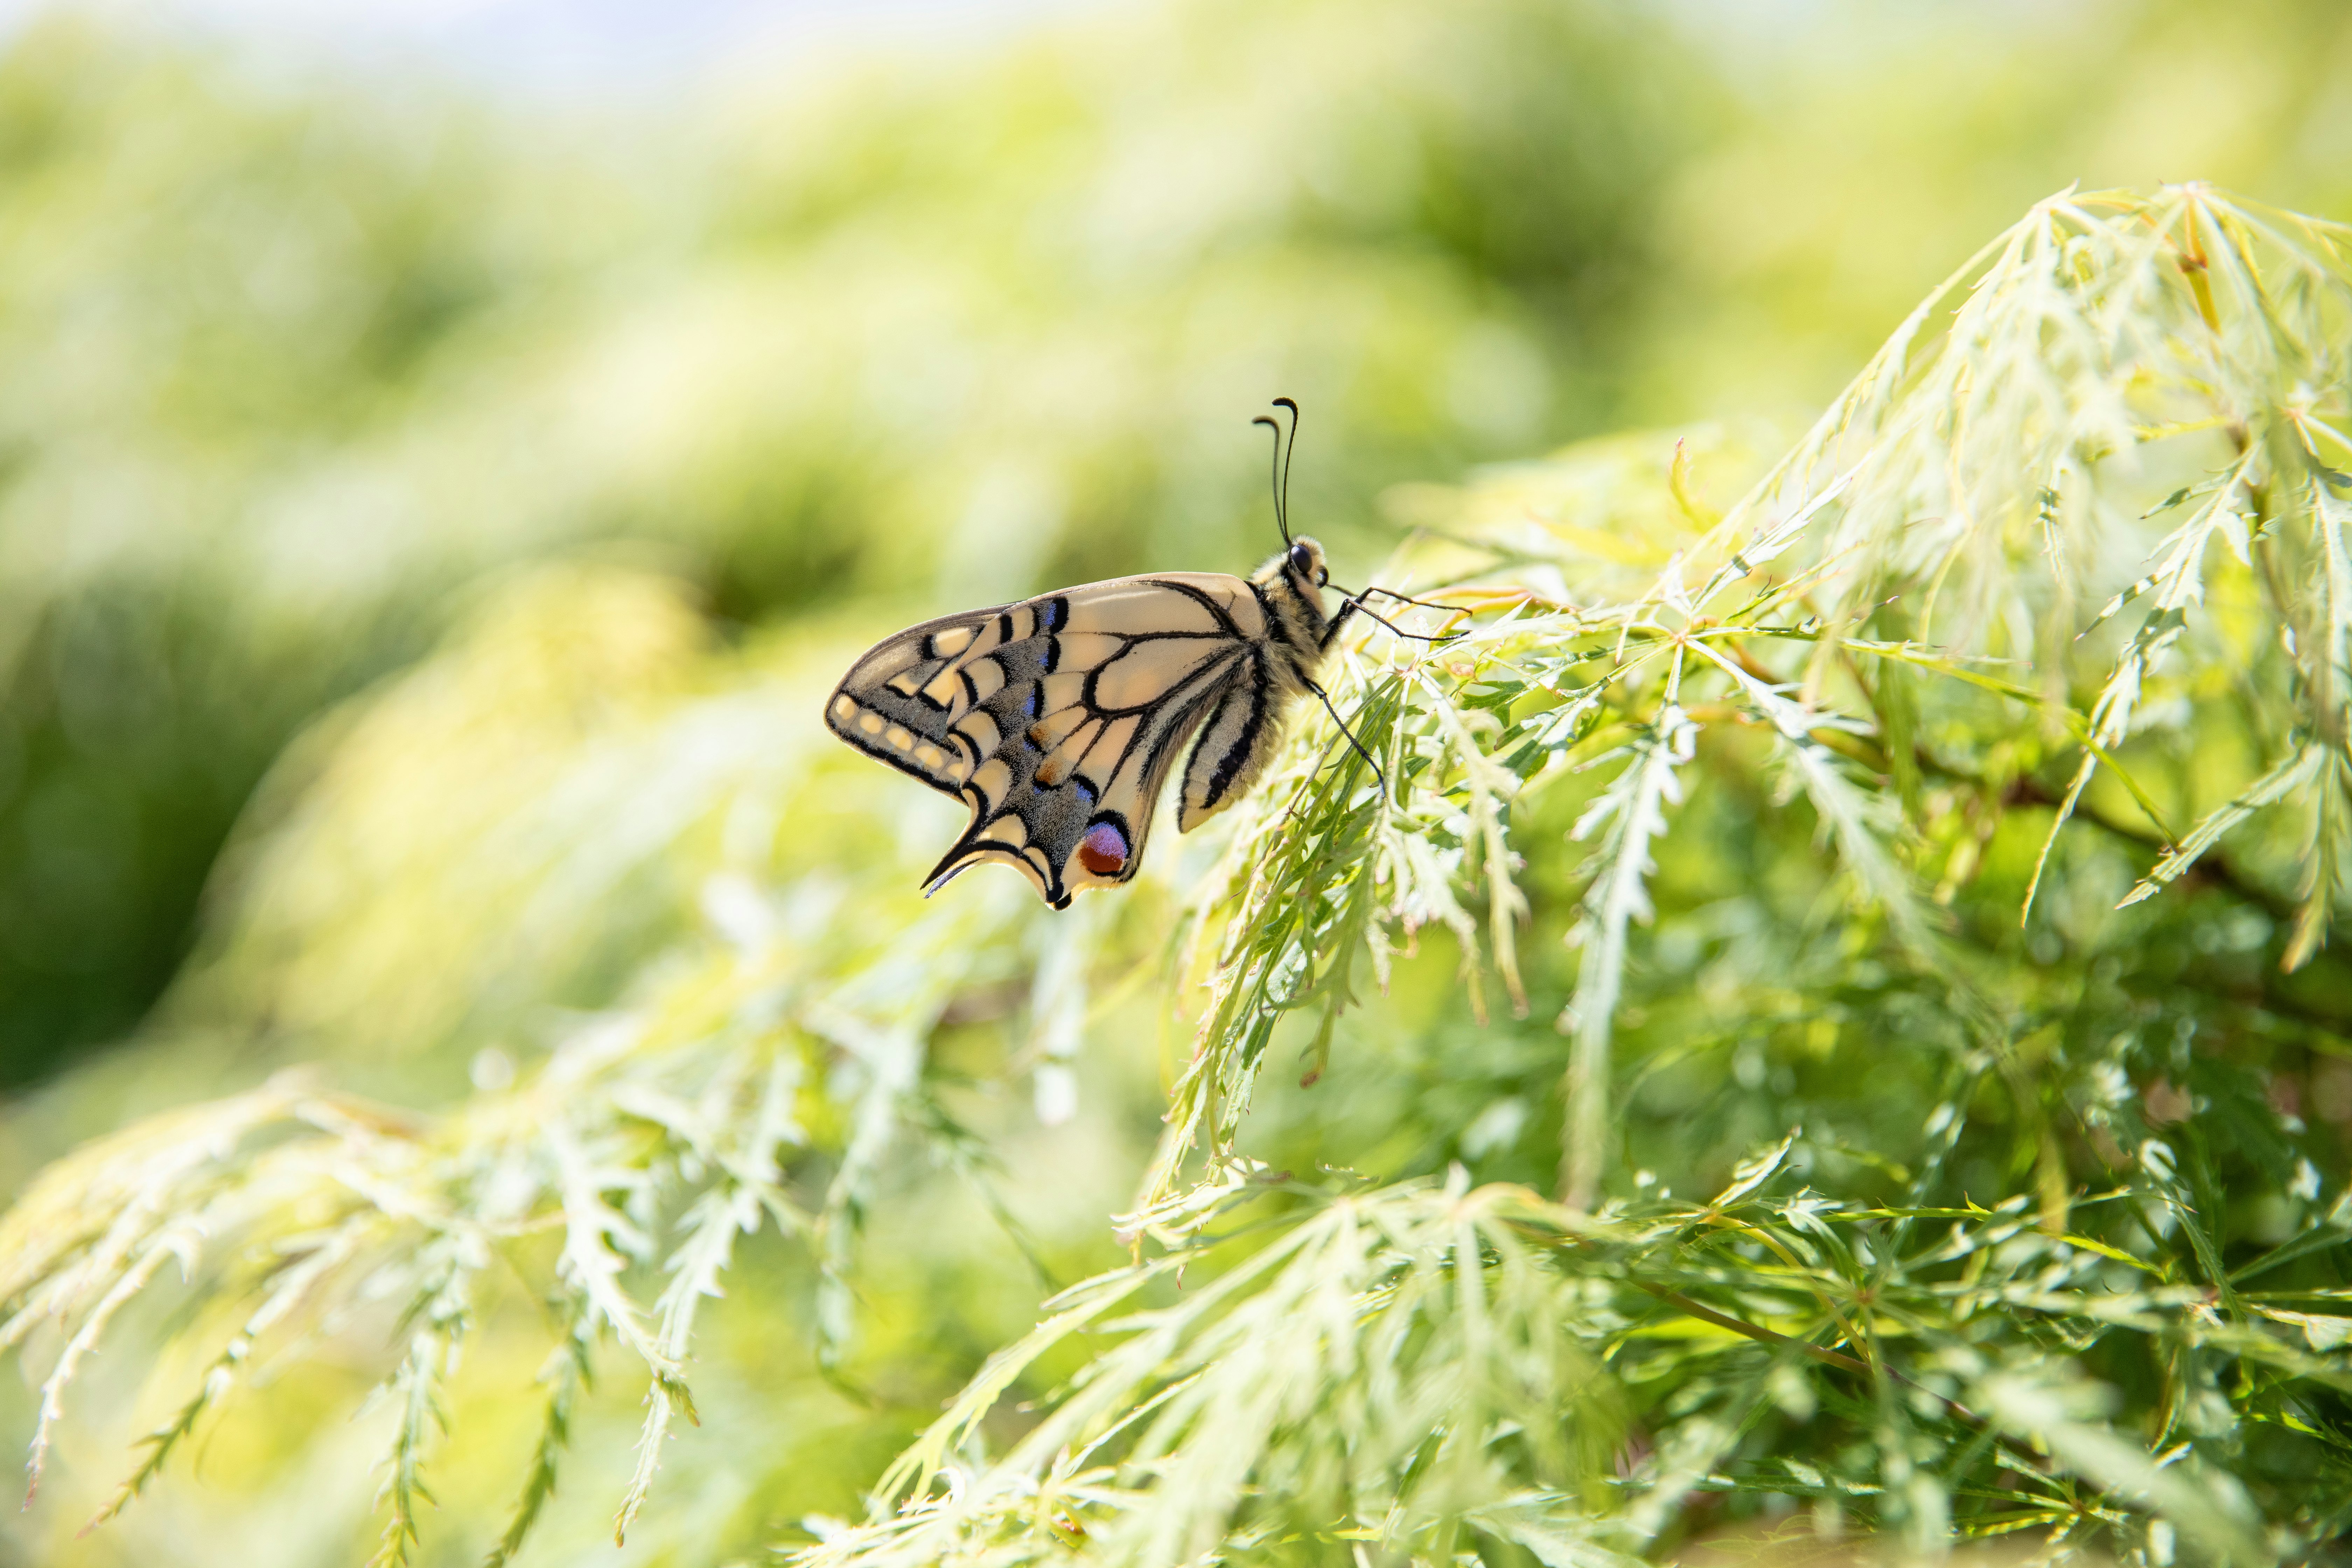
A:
(1057, 719)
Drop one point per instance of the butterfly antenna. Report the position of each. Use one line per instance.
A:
(1288, 452)
(1281, 512)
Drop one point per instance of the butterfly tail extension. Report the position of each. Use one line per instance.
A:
(948, 871)
(966, 854)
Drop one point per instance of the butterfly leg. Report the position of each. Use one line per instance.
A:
(1400, 598)
(1354, 605)
(1417, 636)
(1350, 734)
(1407, 599)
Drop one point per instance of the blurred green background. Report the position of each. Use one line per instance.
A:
(305, 335)
(629, 361)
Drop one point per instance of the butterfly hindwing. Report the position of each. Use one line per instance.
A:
(1057, 720)
(1235, 747)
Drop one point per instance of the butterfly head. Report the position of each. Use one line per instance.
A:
(1303, 565)
(1290, 585)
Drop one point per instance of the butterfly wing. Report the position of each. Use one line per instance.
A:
(1235, 747)
(1057, 720)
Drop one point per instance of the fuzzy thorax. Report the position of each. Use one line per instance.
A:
(1290, 586)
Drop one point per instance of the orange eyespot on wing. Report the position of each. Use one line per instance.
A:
(1103, 850)
(1058, 720)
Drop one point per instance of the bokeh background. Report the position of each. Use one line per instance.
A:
(392, 395)
(314, 320)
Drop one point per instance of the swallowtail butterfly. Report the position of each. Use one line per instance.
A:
(1057, 720)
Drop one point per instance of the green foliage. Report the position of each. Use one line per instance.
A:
(1989, 524)
(1926, 843)
(300, 351)
(1930, 854)
(295, 366)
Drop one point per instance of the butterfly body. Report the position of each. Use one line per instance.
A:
(1059, 719)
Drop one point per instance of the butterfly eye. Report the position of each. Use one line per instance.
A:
(1300, 562)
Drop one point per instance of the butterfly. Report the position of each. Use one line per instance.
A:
(1058, 720)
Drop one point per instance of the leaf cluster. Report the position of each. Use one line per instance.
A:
(1930, 853)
